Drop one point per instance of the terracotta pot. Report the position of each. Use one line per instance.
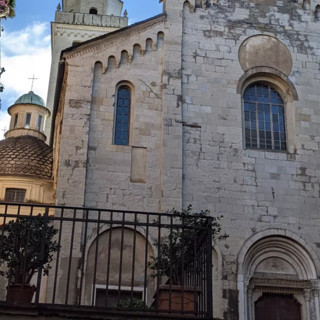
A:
(181, 300)
(20, 294)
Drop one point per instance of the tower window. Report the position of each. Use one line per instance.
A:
(15, 195)
(93, 11)
(122, 123)
(28, 118)
(39, 122)
(264, 121)
(15, 123)
(74, 43)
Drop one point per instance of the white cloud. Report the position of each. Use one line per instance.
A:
(25, 53)
(26, 40)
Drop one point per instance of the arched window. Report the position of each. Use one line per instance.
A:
(264, 119)
(122, 123)
(93, 11)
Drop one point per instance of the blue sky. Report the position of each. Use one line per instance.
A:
(25, 46)
(36, 10)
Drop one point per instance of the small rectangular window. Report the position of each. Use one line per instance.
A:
(39, 122)
(28, 118)
(15, 121)
(114, 297)
(15, 195)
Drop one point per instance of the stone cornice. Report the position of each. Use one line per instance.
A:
(285, 284)
(81, 28)
(99, 43)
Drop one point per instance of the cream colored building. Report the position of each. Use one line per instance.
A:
(25, 158)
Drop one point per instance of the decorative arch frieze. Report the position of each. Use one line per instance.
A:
(137, 51)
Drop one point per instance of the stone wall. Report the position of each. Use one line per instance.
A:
(104, 7)
(74, 25)
(187, 74)
(254, 190)
(110, 175)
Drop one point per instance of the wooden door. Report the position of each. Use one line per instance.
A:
(277, 307)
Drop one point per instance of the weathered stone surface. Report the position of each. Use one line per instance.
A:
(263, 50)
(187, 113)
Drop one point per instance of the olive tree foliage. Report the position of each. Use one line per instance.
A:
(179, 251)
(27, 245)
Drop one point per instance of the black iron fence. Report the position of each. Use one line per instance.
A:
(107, 259)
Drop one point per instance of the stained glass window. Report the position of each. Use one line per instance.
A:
(264, 120)
(122, 124)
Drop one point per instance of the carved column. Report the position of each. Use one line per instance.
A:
(316, 295)
(306, 293)
(243, 282)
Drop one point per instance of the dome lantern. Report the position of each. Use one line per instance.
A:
(28, 116)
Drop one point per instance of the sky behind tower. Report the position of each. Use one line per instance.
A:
(26, 47)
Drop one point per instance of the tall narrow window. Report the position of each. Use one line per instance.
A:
(264, 119)
(15, 195)
(122, 123)
(15, 123)
(28, 118)
(39, 122)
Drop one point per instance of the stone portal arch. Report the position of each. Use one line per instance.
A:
(117, 260)
(278, 266)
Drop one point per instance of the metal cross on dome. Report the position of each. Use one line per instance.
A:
(32, 83)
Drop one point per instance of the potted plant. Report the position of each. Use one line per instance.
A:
(132, 304)
(26, 246)
(7, 8)
(179, 256)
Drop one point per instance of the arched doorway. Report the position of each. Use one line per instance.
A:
(277, 307)
(277, 278)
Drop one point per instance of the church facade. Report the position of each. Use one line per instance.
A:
(214, 104)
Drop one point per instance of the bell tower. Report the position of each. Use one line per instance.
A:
(77, 21)
(102, 7)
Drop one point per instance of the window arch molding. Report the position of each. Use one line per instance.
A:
(275, 77)
(280, 83)
(117, 140)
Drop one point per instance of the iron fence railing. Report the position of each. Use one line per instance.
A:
(109, 259)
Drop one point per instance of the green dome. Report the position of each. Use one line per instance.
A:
(30, 98)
